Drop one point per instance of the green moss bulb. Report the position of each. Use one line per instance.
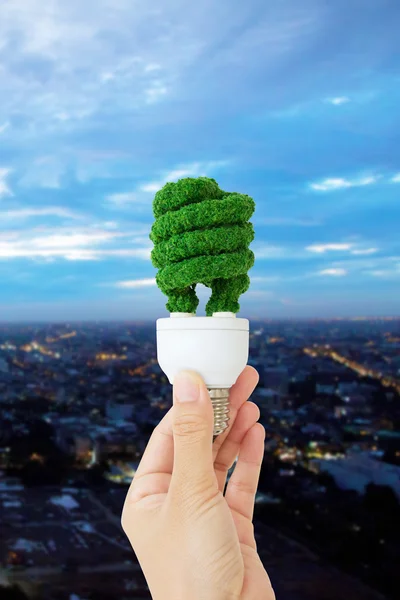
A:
(202, 234)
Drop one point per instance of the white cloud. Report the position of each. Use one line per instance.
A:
(72, 240)
(155, 91)
(267, 279)
(142, 253)
(124, 198)
(50, 211)
(393, 272)
(379, 273)
(62, 116)
(288, 113)
(337, 183)
(396, 178)
(71, 244)
(110, 225)
(107, 76)
(78, 57)
(341, 247)
(4, 188)
(153, 187)
(4, 126)
(333, 272)
(262, 250)
(67, 69)
(196, 169)
(338, 100)
(89, 255)
(287, 222)
(152, 67)
(322, 248)
(367, 264)
(260, 294)
(44, 171)
(136, 283)
(366, 180)
(331, 184)
(366, 251)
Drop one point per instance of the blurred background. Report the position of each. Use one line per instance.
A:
(293, 102)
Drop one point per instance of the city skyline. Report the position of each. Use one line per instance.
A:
(294, 105)
(79, 404)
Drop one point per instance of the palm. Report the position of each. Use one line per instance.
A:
(244, 437)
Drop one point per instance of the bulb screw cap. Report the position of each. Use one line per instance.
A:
(220, 401)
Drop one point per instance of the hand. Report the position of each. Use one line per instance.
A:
(192, 542)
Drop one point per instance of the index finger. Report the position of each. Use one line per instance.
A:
(158, 456)
(239, 393)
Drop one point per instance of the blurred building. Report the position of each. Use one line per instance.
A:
(268, 399)
(356, 471)
(4, 368)
(277, 379)
(114, 443)
(120, 410)
(326, 388)
(88, 443)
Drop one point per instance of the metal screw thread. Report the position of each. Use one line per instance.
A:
(220, 401)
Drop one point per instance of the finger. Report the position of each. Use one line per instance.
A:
(242, 486)
(192, 426)
(159, 454)
(238, 394)
(247, 416)
(152, 487)
(244, 529)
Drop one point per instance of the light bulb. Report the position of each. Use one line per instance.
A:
(216, 347)
(201, 235)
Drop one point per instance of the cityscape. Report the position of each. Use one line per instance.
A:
(78, 403)
(290, 109)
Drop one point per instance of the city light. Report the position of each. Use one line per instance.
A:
(78, 411)
(387, 381)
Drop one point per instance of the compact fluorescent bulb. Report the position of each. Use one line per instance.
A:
(216, 347)
(201, 235)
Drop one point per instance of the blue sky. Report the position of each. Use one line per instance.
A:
(292, 102)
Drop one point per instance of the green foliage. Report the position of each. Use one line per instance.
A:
(201, 235)
(230, 209)
(185, 191)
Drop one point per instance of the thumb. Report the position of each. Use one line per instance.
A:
(192, 426)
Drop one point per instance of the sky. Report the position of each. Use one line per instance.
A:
(294, 103)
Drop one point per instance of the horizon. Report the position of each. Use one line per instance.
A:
(68, 323)
(296, 106)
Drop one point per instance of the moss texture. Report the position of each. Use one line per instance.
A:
(201, 235)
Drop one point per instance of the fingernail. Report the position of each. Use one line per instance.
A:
(186, 387)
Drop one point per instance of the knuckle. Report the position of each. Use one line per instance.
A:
(257, 409)
(193, 427)
(128, 518)
(242, 486)
(252, 532)
(199, 499)
(222, 466)
(124, 521)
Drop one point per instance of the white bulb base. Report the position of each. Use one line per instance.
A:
(216, 347)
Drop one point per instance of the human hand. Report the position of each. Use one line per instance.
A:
(192, 542)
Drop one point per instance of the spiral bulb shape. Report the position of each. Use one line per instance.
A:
(201, 235)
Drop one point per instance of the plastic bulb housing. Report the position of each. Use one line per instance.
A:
(216, 347)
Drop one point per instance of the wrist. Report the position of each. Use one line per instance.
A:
(200, 595)
(195, 595)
